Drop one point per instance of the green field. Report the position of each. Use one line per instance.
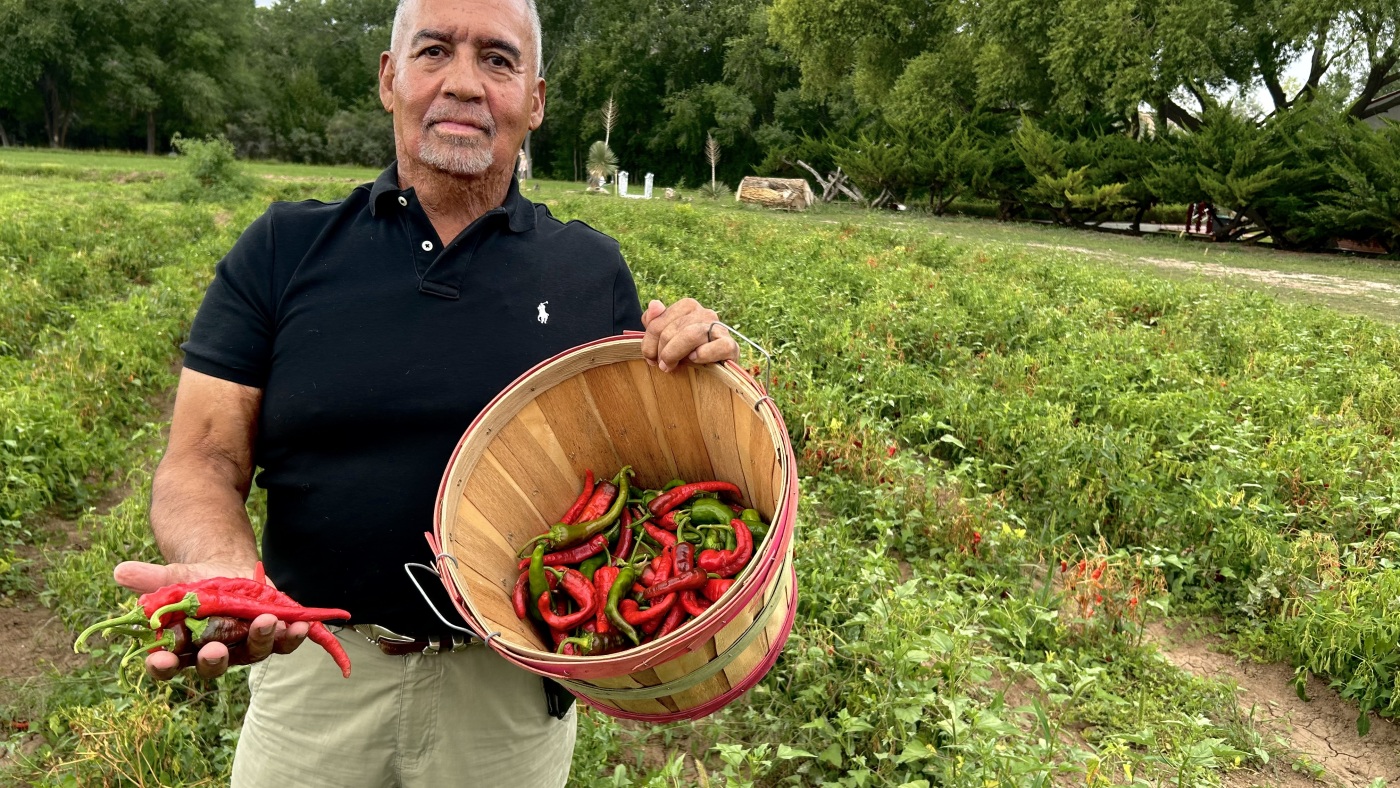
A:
(1020, 461)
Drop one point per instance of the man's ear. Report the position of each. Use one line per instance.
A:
(387, 67)
(537, 108)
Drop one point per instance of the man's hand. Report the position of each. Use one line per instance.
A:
(685, 331)
(266, 635)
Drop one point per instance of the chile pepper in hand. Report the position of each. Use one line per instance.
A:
(570, 517)
(573, 555)
(669, 500)
(561, 535)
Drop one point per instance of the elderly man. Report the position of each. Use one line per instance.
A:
(344, 348)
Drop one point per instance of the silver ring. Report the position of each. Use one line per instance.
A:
(710, 332)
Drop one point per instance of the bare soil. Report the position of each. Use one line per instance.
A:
(1317, 284)
(1320, 732)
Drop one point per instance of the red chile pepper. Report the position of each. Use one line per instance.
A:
(578, 587)
(570, 517)
(602, 586)
(624, 539)
(684, 557)
(714, 589)
(655, 614)
(562, 535)
(599, 503)
(673, 620)
(667, 501)
(693, 604)
(322, 637)
(519, 597)
(572, 556)
(662, 536)
(685, 581)
(727, 563)
(669, 521)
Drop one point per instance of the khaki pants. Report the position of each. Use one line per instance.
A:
(465, 718)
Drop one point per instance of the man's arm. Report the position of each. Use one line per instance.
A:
(198, 514)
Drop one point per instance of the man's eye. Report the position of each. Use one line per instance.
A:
(499, 61)
(434, 51)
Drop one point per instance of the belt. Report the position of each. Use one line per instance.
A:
(396, 645)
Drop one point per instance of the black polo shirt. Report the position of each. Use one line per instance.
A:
(375, 346)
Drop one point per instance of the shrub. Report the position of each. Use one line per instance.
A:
(210, 171)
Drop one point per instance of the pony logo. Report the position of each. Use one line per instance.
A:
(543, 316)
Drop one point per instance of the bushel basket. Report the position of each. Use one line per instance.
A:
(600, 406)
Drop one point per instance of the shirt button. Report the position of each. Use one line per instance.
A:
(403, 201)
(427, 246)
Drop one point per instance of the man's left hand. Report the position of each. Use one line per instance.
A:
(685, 331)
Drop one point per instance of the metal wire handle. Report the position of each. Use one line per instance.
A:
(408, 569)
(768, 381)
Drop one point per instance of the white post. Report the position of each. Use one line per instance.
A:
(646, 193)
(622, 184)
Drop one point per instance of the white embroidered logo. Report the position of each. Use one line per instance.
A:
(543, 316)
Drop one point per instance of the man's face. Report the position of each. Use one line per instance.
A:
(463, 86)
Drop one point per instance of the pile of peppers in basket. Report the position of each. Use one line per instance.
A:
(625, 566)
(181, 618)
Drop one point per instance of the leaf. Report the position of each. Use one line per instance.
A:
(1363, 724)
(832, 755)
(950, 439)
(788, 753)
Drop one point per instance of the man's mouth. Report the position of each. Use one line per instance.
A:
(461, 127)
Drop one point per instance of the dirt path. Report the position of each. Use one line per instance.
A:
(1320, 732)
(1320, 284)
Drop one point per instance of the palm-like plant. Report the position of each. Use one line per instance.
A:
(602, 162)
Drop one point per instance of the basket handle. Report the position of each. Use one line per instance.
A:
(408, 569)
(767, 384)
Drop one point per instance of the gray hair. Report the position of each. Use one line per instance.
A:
(401, 20)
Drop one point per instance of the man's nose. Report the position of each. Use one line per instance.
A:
(464, 80)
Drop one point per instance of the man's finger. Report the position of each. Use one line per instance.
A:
(290, 636)
(655, 320)
(141, 577)
(722, 349)
(680, 341)
(676, 316)
(262, 634)
(213, 661)
(162, 665)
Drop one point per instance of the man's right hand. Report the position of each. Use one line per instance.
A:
(266, 634)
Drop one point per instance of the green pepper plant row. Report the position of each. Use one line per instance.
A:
(624, 566)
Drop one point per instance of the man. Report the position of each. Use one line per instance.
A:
(344, 348)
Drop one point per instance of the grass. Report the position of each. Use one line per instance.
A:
(1013, 460)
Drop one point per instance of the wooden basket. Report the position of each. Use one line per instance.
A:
(601, 406)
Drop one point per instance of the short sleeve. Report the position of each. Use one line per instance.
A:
(627, 309)
(232, 333)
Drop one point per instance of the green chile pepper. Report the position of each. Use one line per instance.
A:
(587, 568)
(673, 484)
(709, 511)
(757, 527)
(621, 587)
(539, 584)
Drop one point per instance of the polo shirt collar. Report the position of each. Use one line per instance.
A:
(384, 193)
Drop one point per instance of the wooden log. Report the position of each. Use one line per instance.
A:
(793, 194)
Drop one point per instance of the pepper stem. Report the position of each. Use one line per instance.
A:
(164, 640)
(189, 606)
(135, 617)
